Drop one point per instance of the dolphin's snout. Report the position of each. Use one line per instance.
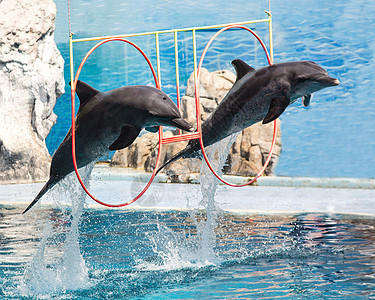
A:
(182, 124)
(329, 81)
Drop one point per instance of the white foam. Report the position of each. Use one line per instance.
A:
(68, 272)
(176, 251)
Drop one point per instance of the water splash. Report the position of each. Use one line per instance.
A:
(177, 250)
(217, 154)
(173, 251)
(69, 272)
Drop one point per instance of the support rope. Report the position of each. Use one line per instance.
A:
(70, 23)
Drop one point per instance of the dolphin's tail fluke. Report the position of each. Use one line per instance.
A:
(185, 153)
(44, 190)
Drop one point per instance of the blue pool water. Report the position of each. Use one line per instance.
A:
(332, 138)
(142, 254)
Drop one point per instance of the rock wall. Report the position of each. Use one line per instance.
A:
(31, 79)
(246, 156)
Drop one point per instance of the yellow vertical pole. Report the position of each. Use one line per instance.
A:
(177, 72)
(195, 56)
(270, 33)
(195, 67)
(71, 58)
(126, 64)
(176, 67)
(158, 57)
(161, 132)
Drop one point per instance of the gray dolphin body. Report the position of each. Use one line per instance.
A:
(258, 95)
(110, 120)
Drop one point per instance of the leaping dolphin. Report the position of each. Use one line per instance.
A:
(258, 95)
(110, 120)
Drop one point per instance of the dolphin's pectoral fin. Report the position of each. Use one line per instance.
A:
(84, 92)
(152, 129)
(242, 68)
(127, 136)
(277, 107)
(306, 100)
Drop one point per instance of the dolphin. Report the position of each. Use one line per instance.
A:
(109, 121)
(258, 95)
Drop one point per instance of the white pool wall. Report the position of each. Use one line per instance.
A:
(270, 195)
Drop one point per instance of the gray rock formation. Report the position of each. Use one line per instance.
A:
(212, 89)
(246, 156)
(31, 79)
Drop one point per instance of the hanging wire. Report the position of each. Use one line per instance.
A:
(70, 26)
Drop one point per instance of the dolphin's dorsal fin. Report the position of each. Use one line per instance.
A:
(127, 137)
(84, 92)
(242, 68)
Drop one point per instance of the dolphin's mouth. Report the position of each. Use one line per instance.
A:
(329, 81)
(332, 81)
(182, 124)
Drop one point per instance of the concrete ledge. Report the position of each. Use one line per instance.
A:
(271, 195)
(170, 197)
(344, 183)
(104, 172)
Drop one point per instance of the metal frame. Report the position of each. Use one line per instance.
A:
(180, 137)
(175, 32)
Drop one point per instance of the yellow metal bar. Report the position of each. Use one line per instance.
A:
(195, 69)
(195, 56)
(270, 34)
(158, 57)
(177, 72)
(168, 31)
(71, 58)
(176, 66)
(126, 64)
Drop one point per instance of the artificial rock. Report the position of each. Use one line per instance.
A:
(31, 79)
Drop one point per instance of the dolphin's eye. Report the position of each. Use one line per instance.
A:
(164, 98)
(302, 79)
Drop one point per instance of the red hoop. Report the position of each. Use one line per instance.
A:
(197, 102)
(73, 90)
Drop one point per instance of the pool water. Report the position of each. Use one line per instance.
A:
(144, 254)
